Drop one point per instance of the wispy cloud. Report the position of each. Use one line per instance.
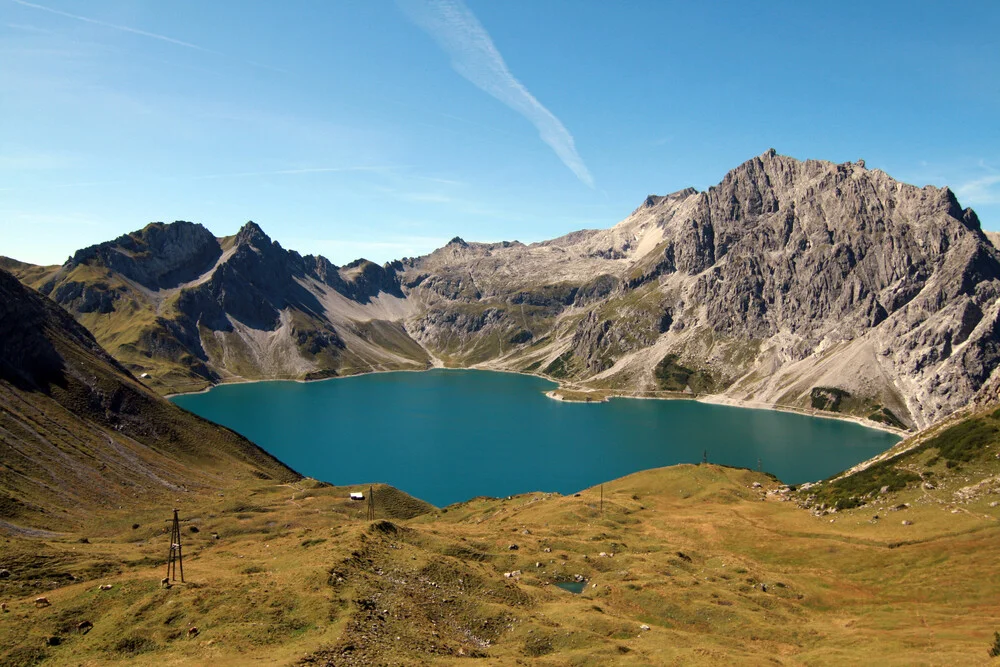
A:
(115, 26)
(985, 190)
(29, 28)
(305, 170)
(136, 31)
(473, 55)
(442, 181)
(427, 198)
(33, 218)
(36, 160)
(195, 177)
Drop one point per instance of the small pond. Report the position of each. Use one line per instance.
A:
(572, 586)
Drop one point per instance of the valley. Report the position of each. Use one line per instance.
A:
(454, 332)
(800, 284)
(805, 286)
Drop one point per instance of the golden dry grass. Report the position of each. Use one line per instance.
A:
(297, 573)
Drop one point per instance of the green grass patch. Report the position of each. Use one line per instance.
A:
(886, 416)
(854, 490)
(967, 440)
(970, 440)
(313, 542)
(672, 376)
(828, 398)
(559, 368)
(133, 645)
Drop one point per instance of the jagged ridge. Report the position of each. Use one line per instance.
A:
(190, 310)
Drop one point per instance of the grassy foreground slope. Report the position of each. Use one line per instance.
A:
(719, 570)
(79, 435)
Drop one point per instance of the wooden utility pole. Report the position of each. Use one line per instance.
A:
(602, 499)
(371, 503)
(175, 559)
(704, 457)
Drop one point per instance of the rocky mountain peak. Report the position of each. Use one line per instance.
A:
(157, 256)
(652, 200)
(252, 234)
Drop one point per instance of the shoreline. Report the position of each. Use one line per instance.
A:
(607, 394)
(719, 399)
(303, 381)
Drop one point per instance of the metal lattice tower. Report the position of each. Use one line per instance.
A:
(175, 559)
(371, 503)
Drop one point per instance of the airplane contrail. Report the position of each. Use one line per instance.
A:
(473, 55)
(136, 31)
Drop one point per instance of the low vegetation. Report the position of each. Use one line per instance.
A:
(855, 490)
(672, 376)
(560, 366)
(683, 564)
(827, 398)
(884, 415)
(971, 441)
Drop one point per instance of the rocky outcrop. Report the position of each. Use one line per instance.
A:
(157, 256)
(786, 276)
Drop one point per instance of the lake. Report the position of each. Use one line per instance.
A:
(449, 435)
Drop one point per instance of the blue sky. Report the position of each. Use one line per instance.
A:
(382, 129)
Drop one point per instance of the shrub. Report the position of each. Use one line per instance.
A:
(559, 366)
(964, 441)
(672, 376)
(827, 398)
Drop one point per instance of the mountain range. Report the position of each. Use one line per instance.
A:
(803, 284)
(807, 284)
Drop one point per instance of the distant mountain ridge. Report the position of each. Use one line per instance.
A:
(806, 284)
(192, 310)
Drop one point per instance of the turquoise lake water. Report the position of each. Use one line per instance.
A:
(449, 435)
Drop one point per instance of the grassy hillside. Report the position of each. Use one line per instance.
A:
(79, 434)
(718, 569)
(949, 459)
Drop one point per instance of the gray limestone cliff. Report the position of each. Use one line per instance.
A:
(786, 279)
